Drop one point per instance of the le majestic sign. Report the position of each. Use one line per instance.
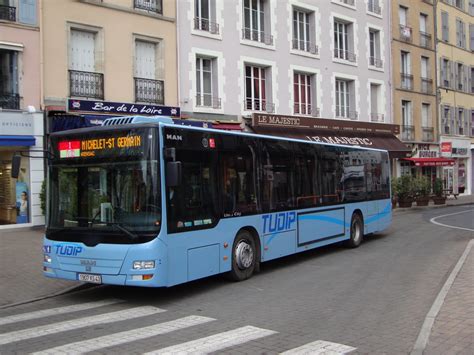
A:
(322, 124)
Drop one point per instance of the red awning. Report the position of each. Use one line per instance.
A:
(431, 161)
(227, 126)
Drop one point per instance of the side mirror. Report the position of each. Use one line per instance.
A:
(16, 162)
(173, 173)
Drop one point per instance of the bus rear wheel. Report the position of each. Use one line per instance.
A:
(357, 231)
(244, 257)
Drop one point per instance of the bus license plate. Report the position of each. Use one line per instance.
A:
(95, 279)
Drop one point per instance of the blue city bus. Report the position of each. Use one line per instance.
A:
(144, 202)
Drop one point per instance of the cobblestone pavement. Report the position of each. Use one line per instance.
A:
(333, 301)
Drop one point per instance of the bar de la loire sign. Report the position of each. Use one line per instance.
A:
(121, 108)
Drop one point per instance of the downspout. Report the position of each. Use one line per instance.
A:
(438, 99)
(178, 76)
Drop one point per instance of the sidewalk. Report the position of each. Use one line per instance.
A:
(21, 265)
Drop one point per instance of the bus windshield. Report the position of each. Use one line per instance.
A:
(119, 194)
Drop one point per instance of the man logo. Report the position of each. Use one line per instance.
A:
(174, 137)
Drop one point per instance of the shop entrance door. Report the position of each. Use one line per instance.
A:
(448, 178)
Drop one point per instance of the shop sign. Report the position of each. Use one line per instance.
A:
(17, 124)
(446, 147)
(121, 108)
(260, 119)
(341, 140)
(425, 151)
(455, 148)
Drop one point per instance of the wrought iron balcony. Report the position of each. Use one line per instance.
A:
(10, 101)
(405, 33)
(408, 133)
(305, 46)
(342, 112)
(207, 100)
(427, 134)
(406, 81)
(375, 62)
(258, 36)
(346, 55)
(86, 84)
(426, 85)
(149, 90)
(377, 117)
(148, 5)
(204, 24)
(374, 7)
(7, 13)
(259, 105)
(425, 40)
(306, 109)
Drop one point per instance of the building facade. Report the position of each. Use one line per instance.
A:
(414, 85)
(108, 54)
(455, 58)
(298, 58)
(21, 120)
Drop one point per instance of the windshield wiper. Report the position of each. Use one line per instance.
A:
(132, 235)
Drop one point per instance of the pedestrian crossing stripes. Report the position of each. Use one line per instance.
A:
(54, 328)
(115, 339)
(216, 342)
(56, 311)
(320, 347)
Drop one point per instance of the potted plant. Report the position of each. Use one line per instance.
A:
(394, 192)
(405, 191)
(422, 190)
(439, 197)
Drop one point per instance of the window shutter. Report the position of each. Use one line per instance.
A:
(27, 11)
(466, 79)
(352, 97)
(445, 26)
(471, 37)
(442, 73)
(451, 74)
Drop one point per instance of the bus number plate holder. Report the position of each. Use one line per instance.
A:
(95, 279)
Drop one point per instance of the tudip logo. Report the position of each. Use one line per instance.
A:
(278, 222)
(68, 250)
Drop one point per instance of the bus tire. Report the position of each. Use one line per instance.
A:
(244, 256)
(357, 231)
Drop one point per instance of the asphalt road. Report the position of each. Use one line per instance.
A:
(373, 298)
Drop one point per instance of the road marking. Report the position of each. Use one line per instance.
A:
(216, 342)
(433, 220)
(54, 328)
(425, 331)
(320, 347)
(115, 339)
(56, 311)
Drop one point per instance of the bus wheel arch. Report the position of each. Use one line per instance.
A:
(356, 229)
(245, 254)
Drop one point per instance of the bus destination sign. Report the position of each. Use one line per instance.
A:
(97, 147)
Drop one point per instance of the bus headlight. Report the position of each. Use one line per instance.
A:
(143, 264)
(47, 258)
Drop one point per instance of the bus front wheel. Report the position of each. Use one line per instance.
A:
(244, 257)
(357, 231)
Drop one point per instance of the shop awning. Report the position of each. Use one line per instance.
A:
(17, 141)
(228, 126)
(385, 141)
(431, 161)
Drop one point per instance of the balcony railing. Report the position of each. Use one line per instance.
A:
(426, 85)
(375, 62)
(346, 55)
(406, 81)
(10, 101)
(342, 112)
(305, 46)
(306, 109)
(149, 90)
(374, 7)
(86, 84)
(204, 24)
(148, 5)
(347, 2)
(408, 133)
(259, 105)
(7, 13)
(425, 40)
(208, 100)
(258, 36)
(405, 33)
(377, 117)
(427, 134)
